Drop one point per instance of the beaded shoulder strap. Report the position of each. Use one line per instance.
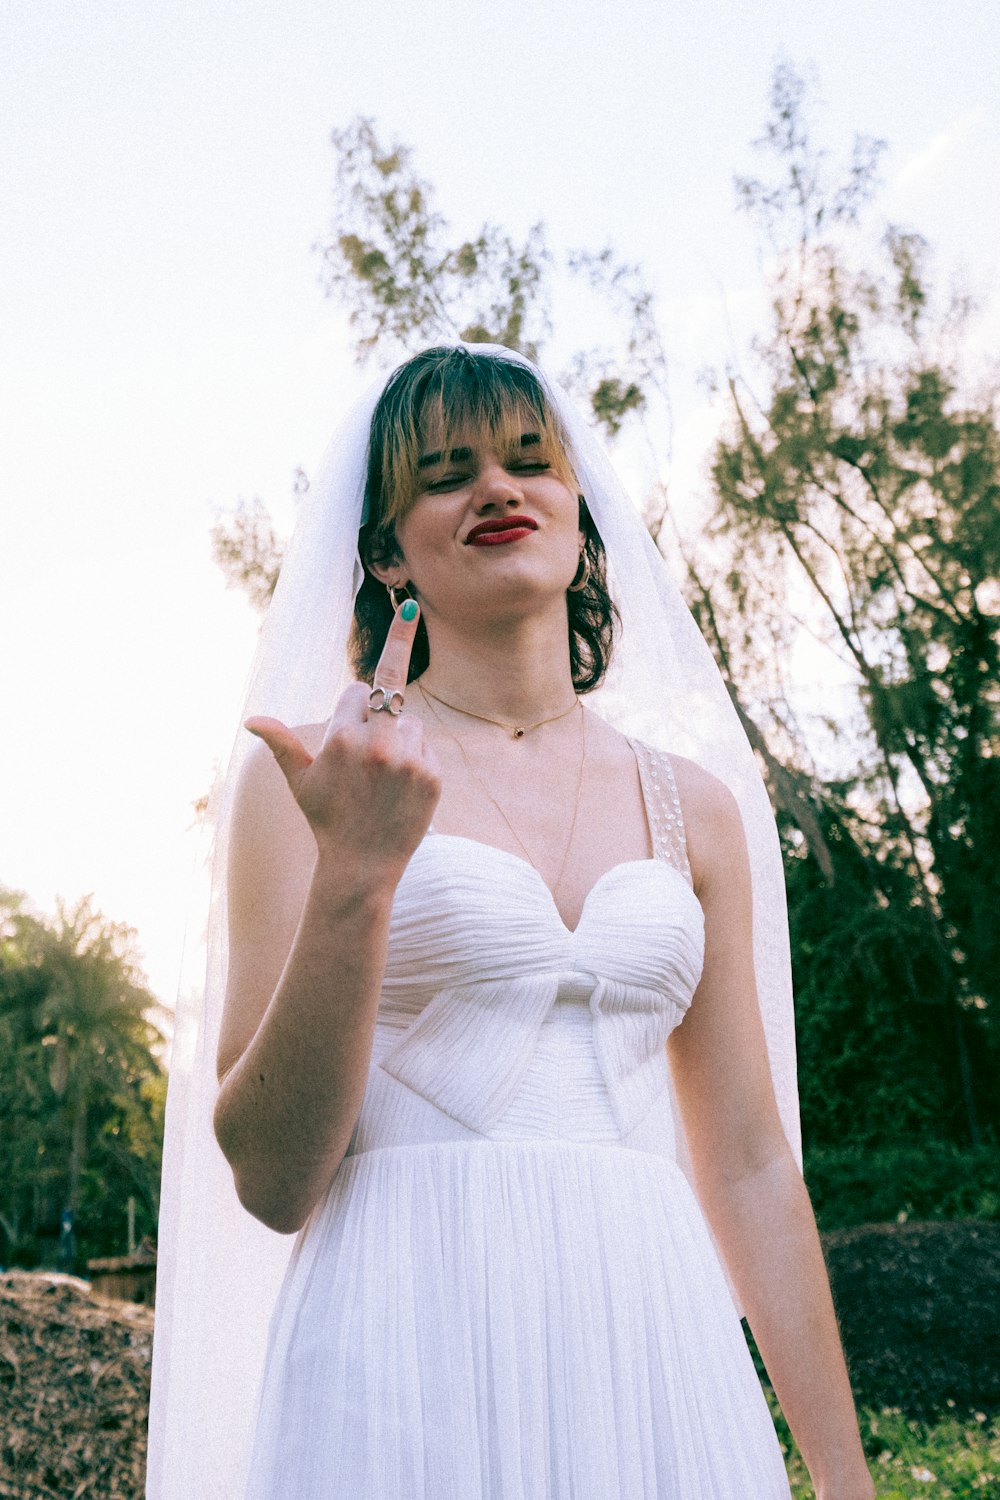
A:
(663, 807)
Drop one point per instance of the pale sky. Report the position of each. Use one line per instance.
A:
(165, 347)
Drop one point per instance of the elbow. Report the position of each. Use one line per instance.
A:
(264, 1187)
(265, 1194)
(753, 1164)
(270, 1208)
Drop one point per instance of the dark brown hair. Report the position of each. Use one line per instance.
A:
(454, 388)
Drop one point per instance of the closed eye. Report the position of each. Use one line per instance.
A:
(454, 481)
(447, 482)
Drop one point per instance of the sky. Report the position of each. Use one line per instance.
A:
(166, 348)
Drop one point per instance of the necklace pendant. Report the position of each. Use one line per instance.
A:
(519, 732)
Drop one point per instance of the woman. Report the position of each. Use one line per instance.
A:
(451, 1055)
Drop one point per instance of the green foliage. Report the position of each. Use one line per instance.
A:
(863, 483)
(877, 1021)
(855, 1184)
(246, 547)
(387, 259)
(81, 1091)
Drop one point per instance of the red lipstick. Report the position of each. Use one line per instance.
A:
(494, 533)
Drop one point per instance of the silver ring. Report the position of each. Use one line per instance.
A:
(383, 701)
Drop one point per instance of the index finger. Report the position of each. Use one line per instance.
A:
(394, 663)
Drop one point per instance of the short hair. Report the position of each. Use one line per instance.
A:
(439, 392)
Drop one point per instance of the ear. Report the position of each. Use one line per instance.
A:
(387, 572)
(384, 560)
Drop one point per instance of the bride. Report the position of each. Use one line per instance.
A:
(502, 1023)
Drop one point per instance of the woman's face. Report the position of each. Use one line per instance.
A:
(489, 530)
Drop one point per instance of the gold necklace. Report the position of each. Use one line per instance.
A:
(477, 778)
(516, 731)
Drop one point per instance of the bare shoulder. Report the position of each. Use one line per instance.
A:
(701, 791)
(713, 827)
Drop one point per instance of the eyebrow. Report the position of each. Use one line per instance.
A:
(463, 455)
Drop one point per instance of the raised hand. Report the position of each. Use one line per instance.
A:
(371, 789)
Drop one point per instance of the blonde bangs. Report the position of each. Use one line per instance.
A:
(450, 406)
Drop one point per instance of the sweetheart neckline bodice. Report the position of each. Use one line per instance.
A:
(519, 860)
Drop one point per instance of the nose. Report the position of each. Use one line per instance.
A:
(496, 489)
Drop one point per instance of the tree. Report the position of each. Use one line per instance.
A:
(863, 484)
(80, 1086)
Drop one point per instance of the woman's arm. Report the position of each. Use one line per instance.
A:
(748, 1183)
(301, 996)
(316, 851)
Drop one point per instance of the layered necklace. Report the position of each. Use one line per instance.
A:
(517, 732)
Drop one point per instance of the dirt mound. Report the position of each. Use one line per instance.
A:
(919, 1309)
(74, 1391)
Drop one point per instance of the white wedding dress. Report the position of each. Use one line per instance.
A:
(510, 1292)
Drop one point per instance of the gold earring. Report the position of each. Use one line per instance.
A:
(580, 582)
(392, 587)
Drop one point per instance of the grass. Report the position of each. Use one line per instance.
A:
(956, 1456)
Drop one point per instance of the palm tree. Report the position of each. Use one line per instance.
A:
(78, 1040)
(93, 1019)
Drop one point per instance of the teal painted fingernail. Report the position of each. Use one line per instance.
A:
(409, 609)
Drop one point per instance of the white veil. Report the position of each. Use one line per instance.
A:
(219, 1269)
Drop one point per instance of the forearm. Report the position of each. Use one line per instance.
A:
(765, 1227)
(287, 1107)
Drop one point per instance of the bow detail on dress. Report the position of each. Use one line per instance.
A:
(470, 1048)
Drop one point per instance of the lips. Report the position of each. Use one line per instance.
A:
(494, 533)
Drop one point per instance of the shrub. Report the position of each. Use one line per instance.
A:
(934, 1180)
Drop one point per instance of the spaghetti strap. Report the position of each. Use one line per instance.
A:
(663, 807)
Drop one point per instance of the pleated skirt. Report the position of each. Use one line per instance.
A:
(513, 1320)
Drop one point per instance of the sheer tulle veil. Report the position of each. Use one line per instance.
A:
(219, 1269)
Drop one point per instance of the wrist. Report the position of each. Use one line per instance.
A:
(853, 1484)
(348, 875)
